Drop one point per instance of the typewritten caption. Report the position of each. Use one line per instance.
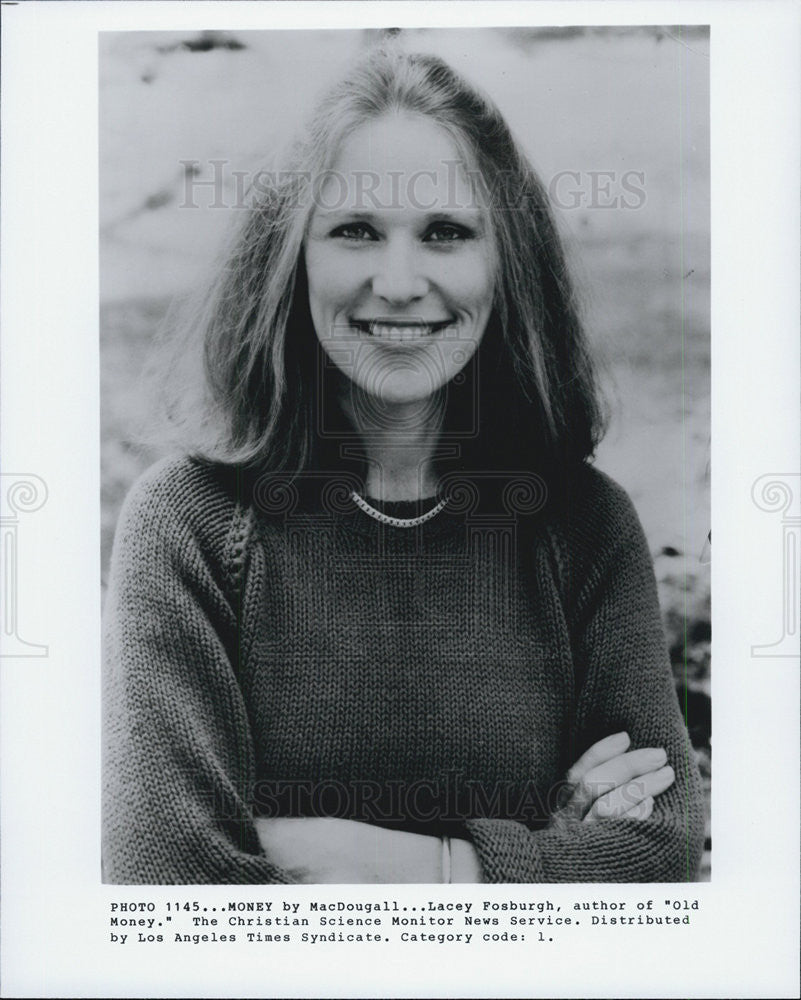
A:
(528, 920)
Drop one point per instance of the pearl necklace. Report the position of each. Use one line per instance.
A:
(396, 522)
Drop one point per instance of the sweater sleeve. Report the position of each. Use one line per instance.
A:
(178, 756)
(624, 683)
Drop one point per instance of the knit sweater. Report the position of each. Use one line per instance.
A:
(268, 652)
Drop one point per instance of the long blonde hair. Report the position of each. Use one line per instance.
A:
(251, 395)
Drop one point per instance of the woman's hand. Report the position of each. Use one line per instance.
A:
(610, 783)
(329, 850)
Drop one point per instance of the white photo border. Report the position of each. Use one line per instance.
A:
(744, 939)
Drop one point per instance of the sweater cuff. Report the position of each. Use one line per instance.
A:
(506, 849)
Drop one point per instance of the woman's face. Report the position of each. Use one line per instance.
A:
(400, 261)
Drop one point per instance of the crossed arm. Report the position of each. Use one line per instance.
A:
(607, 782)
(179, 757)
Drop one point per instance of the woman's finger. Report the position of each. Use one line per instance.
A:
(620, 800)
(598, 753)
(625, 767)
(611, 774)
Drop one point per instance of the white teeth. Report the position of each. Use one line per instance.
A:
(384, 331)
(400, 333)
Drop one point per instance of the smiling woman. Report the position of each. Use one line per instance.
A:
(400, 296)
(383, 621)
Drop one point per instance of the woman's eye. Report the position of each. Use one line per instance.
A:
(355, 231)
(447, 233)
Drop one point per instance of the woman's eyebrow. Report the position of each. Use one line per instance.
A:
(332, 214)
(459, 216)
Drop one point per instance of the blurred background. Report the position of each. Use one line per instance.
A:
(615, 120)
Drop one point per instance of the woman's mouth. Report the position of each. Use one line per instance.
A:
(400, 331)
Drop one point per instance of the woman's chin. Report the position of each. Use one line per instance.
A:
(416, 381)
(396, 392)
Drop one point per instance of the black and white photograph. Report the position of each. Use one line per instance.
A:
(384, 608)
(373, 378)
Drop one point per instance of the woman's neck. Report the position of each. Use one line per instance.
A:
(399, 442)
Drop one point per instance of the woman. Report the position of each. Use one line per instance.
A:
(386, 623)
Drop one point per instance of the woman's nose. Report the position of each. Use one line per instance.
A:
(398, 277)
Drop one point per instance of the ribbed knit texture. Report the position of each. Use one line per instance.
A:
(440, 678)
